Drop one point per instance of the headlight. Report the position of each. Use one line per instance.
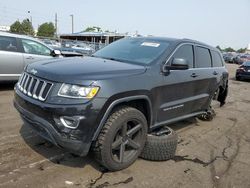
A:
(75, 91)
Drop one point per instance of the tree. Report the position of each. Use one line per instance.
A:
(229, 49)
(46, 30)
(16, 27)
(22, 28)
(27, 27)
(93, 29)
(241, 50)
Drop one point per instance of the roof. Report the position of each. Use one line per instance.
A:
(177, 41)
(94, 34)
(7, 34)
(16, 35)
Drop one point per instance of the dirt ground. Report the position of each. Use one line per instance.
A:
(209, 154)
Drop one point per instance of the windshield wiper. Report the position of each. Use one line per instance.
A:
(111, 58)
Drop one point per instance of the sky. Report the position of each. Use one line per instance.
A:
(215, 22)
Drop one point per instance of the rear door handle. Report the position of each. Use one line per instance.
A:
(194, 75)
(30, 57)
(215, 73)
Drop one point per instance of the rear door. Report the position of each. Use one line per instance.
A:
(34, 51)
(206, 77)
(11, 59)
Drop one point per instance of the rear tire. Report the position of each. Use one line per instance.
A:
(160, 147)
(208, 116)
(121, 139)
(238, 78)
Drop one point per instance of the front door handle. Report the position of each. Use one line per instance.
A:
(194, 75)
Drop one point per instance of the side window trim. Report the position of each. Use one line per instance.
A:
(19, 45)
(176, 48)
(211, 58)
(195, 51)
(193, 57)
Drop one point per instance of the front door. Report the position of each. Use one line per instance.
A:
(178, 88)
(34, 51)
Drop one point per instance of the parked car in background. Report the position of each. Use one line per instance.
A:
(52, 43)
(67, 43)
(229, 57)
(69, 52)
(241, 59)
(17, 51)
(82, 48)
(243, 72)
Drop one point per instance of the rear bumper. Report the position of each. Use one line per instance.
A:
(243, 75)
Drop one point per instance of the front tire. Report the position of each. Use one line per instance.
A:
(122, 139)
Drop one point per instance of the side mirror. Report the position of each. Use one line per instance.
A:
(55, 53)
(176, 64)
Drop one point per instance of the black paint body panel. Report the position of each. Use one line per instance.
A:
(169, 97)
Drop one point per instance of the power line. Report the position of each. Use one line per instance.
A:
(72, 22)
(56, 24)
(9, 15)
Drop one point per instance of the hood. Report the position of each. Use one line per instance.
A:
(77, 69)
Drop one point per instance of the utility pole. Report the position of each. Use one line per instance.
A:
(72, 21)
(30, 17)
(56, 20)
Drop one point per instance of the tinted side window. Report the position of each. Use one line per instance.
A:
(8, 44)
(203, 58)
(185, 52)
(217, 61)
(33, 47)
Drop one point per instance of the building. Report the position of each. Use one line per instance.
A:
(4, 28)
(248, 49)
(94, 37)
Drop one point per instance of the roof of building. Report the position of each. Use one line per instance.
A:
(95, 34)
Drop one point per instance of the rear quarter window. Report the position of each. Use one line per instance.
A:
(203, 57)
(217, 61)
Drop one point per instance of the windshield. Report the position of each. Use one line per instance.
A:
(246, 63)
(133, 50)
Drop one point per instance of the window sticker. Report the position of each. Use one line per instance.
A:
(150, 44)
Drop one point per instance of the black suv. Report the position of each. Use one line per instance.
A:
(109, 102)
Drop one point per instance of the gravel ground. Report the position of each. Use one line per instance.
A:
(209, 154)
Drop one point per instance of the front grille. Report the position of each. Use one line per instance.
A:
(34, 87)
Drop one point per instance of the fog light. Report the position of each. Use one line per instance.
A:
(71, 122)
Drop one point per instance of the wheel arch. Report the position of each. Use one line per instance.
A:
(140, 102)
(222, 92)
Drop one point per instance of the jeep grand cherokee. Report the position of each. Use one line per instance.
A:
(110, 101)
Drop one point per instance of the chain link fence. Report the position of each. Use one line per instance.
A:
(76, 46)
